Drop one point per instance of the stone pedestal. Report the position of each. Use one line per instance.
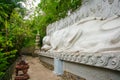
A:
(37, 42)
(58, 66)
(23, 67)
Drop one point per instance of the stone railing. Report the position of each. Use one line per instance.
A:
(104, 60)
(95, 8)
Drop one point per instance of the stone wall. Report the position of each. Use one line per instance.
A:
(80, 70)
(90, 72)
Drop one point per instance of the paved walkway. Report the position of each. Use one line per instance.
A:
(38, 72)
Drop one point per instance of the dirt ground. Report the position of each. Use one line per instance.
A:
(38, 72)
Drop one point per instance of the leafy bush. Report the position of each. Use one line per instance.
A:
(14, 32)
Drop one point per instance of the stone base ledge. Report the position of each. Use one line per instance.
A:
(109, 60)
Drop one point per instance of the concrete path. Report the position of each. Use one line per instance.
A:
(38, 72)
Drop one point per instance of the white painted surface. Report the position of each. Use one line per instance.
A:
(91, 35)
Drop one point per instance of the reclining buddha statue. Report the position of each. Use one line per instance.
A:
(91, 34)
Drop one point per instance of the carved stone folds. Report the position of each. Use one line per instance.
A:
(98, 8)
(90, 36)
(105, 60)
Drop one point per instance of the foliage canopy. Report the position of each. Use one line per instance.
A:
(14, 32)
